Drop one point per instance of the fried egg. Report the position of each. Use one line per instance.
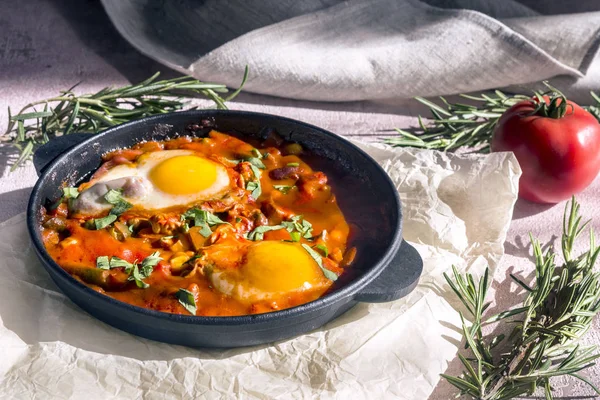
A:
(269, 269)
(158, 180)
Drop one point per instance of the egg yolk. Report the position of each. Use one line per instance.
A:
(280, 267)
(184, 174)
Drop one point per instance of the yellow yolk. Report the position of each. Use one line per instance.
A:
(280, 267)
(184, 174)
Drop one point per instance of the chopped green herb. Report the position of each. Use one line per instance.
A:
(259, 231)
(256, 153)
(256, 171)
(293, 164)
(300, 225)
(254, 188)
(319, 260)
(205, 230)
(212, 219)
(306, 229)
(295, 236)
(187, 215)
(256, 161)
(202, 216)
(289, 226)
(136, 273)
(101, 223)
(187, 300)
(185, 227)
(120, 205)
(283, 188)
(253, 161)
(116, 262)
(113, 196)
(238, 220)
(195, 215)
(102, 262)
(152, 260)
(203, 219)
(138, 277)
(323, 248)
(144, 273)
(70, 192)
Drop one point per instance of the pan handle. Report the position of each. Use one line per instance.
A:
(397, 280)
(48, 152)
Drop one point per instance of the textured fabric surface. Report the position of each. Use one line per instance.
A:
(367, 49)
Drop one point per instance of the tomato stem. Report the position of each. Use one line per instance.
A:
(550, 104)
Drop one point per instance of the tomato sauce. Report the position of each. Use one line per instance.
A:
(296, 206)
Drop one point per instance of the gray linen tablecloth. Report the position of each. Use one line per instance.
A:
(345, 50)
(48, 46)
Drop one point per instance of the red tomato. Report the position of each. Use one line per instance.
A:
(559, 155)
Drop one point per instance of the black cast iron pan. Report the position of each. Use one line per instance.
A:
(386, 268)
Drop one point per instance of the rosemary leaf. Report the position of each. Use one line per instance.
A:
(456, 125)
(95, 112)
(557, 310)
(23, 117)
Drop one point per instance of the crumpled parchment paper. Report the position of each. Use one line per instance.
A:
(457, 210)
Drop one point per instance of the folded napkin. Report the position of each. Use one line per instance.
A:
(336, 50)
(457, 210)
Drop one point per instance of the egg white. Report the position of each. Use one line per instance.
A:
(144, 194)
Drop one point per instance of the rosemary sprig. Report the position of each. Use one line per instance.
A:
(456, 125)
(558, 309)
(93, 113)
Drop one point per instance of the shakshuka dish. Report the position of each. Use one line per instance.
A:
(211, 226)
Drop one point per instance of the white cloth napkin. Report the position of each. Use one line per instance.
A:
(334, 50)
(457, 210)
